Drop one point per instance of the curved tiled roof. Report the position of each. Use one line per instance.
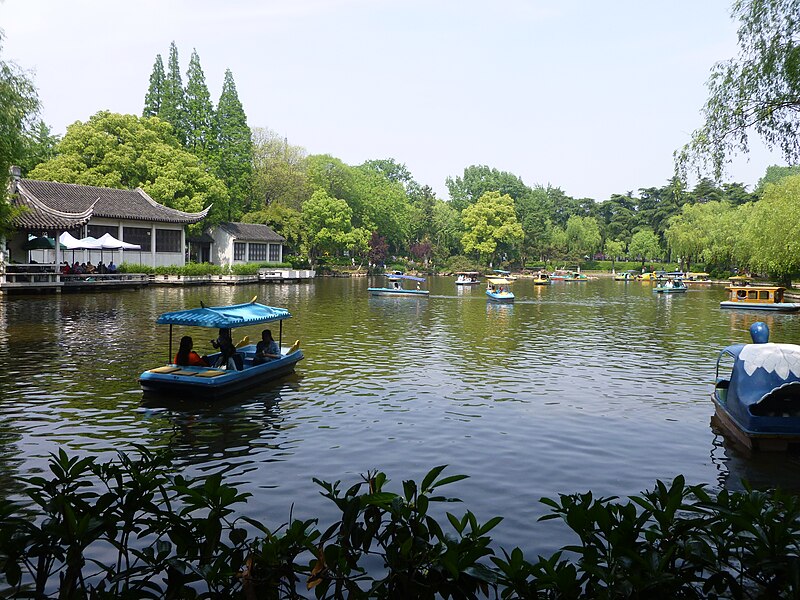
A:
(252, 232)
(71, 198)
(38, 216)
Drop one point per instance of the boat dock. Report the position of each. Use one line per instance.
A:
(38, 278)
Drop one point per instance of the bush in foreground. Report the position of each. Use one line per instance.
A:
(130, 529)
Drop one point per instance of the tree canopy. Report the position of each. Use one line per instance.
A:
(126, 151)
(758, 90)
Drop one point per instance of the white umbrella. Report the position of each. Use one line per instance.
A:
(110, 242)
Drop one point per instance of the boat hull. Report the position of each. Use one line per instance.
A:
(774, 306)
(395, 292)
(752, 440)
(191, 382)
(669, 290)
(506, 298)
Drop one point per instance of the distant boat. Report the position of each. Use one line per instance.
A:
(625, 276)
(541, 278)
(758, 403)
(468, 278)
(569, 276)
(758, 297)
(498, 289)
(506, 274)
(670, 286)
(395, 287)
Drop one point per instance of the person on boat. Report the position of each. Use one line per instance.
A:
(228, 357)
(267, 349)
(112, 268)
(186, 357)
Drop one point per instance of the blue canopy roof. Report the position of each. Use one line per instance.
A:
(237, 315)
(398, 276)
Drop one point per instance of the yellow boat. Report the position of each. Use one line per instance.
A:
(758, 298)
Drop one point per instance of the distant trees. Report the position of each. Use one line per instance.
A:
(490, 225)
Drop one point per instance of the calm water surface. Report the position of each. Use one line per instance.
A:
(601, 385)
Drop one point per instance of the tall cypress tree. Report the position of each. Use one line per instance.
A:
(155, 93)
(201, 131)
(172, 100)
(235, 152)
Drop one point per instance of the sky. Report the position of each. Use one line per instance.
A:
(591, 97)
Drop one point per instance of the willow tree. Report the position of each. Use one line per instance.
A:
(758, 90)
(19, 105)
(772, 230)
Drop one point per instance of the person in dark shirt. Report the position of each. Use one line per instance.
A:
(267, 349)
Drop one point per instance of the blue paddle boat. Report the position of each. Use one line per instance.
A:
(670, 286)
(758, 404)
(395, 287)
(498, 289)
(212, 382)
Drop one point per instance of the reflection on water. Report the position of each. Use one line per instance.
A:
(596, 386)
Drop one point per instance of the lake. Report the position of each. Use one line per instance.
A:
(601, 386)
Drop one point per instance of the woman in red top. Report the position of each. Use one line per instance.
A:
(186, 357)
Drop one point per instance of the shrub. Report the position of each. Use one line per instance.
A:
(167, 535)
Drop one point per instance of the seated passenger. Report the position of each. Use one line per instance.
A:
(267, 349)
(186, 357)
(228, 357)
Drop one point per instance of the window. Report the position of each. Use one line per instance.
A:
(168, 240)
(764, 295)
(238, 250)
(137, 235)
(98, 231)
(274, 252)
(752, 295)
(258, 252)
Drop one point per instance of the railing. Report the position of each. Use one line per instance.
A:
(34, 275)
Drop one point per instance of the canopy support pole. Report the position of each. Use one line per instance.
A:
(169, 357)
(280, 333)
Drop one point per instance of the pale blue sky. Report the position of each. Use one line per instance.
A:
(592, 97)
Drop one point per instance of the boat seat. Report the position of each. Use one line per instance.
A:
(184, 372)
(211, 373)
(165, 369)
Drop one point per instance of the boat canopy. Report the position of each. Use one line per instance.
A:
(498, 280)
(398, 276)
(228, 317)
(502, 272)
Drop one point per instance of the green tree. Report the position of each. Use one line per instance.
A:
(155, 93)
(690, 235)
(772, 230)
(614, 249)
(173, 105)
(583, 237)
(326, 225)
(533, 213)
(199, 119)
(126, 151)
(490, 225)
(447, 227)
(479, 179)
(19, 106)
(644, 245)
(283, 220)
(235, 149)
(391, 169)
(40, 146)
(774, 174)
(758, 90)
(279, 172)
